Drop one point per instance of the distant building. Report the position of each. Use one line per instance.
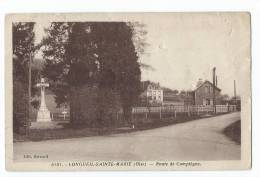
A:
(203, 94)
(152, 93)
(156, 95)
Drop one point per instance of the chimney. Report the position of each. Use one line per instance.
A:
(216, 81)
(235, 91)
(214, 85)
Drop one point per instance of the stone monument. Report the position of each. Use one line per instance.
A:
(43, 114)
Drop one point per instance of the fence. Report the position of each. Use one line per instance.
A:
(189, 110)
(60, 117)
(163, 111)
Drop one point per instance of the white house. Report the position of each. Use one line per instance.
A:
(152, 92)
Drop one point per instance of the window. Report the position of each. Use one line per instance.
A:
(208, 102)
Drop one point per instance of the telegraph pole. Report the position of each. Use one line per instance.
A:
(235, 92)
(214, 83)
(29, 92)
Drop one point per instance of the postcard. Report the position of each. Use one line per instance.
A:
(128, 91)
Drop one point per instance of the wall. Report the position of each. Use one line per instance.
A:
(203, 93)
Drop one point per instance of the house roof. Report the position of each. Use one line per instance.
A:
(209, 83)
(145, 85)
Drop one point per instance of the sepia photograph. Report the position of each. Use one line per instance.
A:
(128, 91)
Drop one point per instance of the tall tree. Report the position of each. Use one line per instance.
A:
(23, 48)
(55, 69)
(95, 53)
(118, 56)
(69, 61)
(81, 59)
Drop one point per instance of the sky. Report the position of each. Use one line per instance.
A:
(185, 47)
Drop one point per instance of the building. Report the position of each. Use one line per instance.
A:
(151, 93)
(203, 94)
(156, 95)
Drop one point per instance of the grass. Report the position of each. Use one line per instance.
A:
(233, 131)
(74, 132)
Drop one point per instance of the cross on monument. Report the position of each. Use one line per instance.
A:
(43, 114)
(64, 112)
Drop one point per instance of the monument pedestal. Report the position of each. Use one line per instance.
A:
(43, 116)
(46, 125)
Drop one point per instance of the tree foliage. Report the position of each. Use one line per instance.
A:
(23, 48)
(119, 61)
(23, 38)
(94, 53)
